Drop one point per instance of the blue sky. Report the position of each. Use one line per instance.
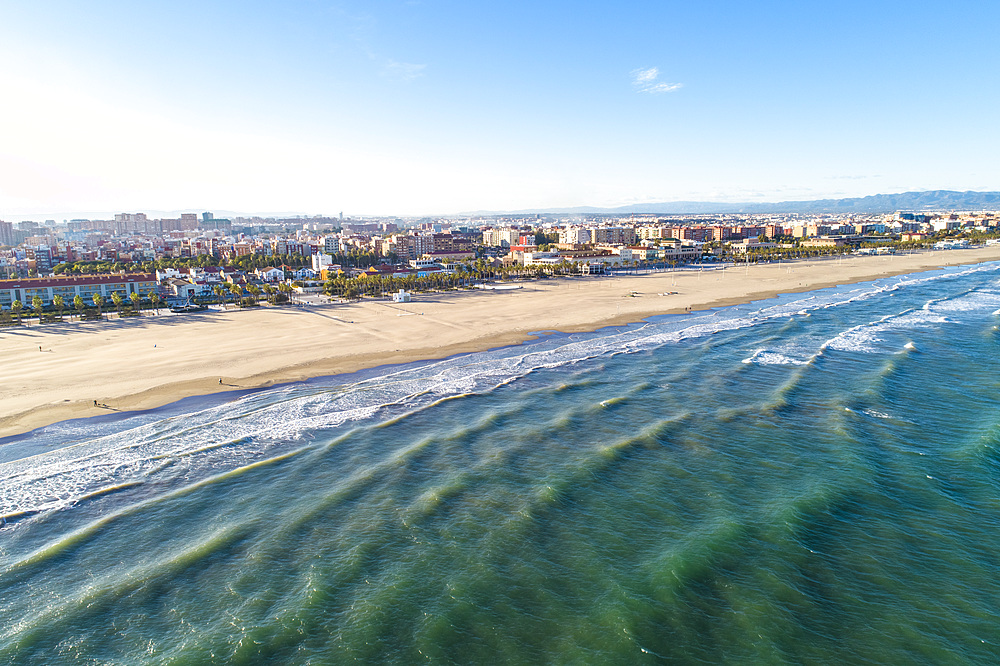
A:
(426, 107)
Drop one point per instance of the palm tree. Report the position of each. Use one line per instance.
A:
(136, 299)
(220, 291)
(59, 302)
(78, 304)
(37, 304)
(237, 293)
(117, 299)
(255, 293)
(352, 292)
(269, 292)
(99, 302)
(154, 299)
(17, 306)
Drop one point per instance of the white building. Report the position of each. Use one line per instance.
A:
(574, 236)
(504, 237)
(270, 274)
(321, 261)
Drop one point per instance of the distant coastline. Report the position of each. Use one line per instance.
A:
(58, 372)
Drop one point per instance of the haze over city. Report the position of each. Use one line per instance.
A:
(430, 107)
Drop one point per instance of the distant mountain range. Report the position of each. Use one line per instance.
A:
(934, 200)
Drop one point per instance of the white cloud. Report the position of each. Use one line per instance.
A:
(644, 76)
(404, 71)
(644, 80)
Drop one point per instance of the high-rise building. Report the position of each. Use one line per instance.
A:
(6, 233)
(42, 256)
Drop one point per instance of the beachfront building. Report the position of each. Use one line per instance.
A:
(554, 259)
(182, 289)
(951, 244)
(751, 244)
(71, 286)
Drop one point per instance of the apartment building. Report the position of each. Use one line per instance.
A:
(71, 286)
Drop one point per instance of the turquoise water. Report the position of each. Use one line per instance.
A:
(812, 478)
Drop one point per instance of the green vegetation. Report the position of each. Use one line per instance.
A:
(799, 251)
(464, 276)
(247, 262)
(542, 238)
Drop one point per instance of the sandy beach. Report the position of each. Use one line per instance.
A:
(55, 372)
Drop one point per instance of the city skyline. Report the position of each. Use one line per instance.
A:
(424, 108)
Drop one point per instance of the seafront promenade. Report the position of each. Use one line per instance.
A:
(57, 371)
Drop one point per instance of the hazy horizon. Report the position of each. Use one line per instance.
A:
(669, 208)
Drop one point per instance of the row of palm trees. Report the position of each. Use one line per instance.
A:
(245, 262)
(800, 252)
(463, 275)
(272, 294)
(59, 304)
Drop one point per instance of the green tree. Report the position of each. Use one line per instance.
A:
(78, 305)
(17, 306)
(154, 299)
(99, 302)
(220, 291)
(117, 299)
(37, 304)
(352, 291)
(237, 293)
(60, 303)
(136, 299)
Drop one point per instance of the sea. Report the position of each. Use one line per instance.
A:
(811, 478)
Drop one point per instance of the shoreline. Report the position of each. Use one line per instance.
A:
(167, 358)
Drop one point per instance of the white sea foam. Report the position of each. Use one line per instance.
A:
(153, 448)
(768, 357)
(972, 302)
(864, 338)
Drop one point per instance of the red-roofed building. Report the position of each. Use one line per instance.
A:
(71, 286)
